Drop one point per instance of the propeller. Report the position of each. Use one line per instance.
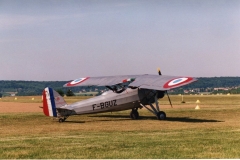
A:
(159, 72)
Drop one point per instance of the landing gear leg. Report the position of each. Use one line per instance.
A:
(156, 110)
(159, 114)
(134, 113)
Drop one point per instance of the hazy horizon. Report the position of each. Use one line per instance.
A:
(59, 40)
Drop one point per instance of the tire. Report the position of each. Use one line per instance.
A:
(161, 115)
(134, 114)
(60, 120)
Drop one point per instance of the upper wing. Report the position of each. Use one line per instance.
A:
(156, 82)
(162, 82)
(100, 81)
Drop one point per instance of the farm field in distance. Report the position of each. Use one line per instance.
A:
(213, 131)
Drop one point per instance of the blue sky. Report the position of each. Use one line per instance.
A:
(64, 40)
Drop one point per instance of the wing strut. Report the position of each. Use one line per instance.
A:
(169, 99)
(159, 73)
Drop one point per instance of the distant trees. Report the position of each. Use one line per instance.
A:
(214, 82)
(29, 88)
(69, 93)
(0, 95)
(60, 92)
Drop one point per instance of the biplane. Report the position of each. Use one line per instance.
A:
(125, 92)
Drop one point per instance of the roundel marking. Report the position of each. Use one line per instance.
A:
(177, 82)
(76, 81)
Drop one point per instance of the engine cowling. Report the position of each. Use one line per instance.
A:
(147, 96)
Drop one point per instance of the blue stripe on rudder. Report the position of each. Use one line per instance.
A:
(53, 102)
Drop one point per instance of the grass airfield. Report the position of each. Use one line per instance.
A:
(213, 131)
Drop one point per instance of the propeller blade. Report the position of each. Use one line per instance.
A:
(159, 72)
(169, 99)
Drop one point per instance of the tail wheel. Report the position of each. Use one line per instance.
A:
(134, 114)
(161, 115)
(61, 120)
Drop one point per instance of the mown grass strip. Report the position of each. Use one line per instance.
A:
(187, 133)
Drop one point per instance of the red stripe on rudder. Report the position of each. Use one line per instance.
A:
(45, 105)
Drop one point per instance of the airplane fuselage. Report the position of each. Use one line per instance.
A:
(107, 102)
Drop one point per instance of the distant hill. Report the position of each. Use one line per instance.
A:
(215, 82)
(212, 85)
(36, 87)
(28, 87)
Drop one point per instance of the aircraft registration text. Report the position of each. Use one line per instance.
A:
(105, 104)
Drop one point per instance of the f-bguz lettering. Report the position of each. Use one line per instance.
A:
(106, 104)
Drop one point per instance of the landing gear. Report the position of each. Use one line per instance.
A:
(156, 111)
(153, 97)
(134, 113)
(60, 120)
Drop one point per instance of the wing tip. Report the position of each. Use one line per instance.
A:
(75, 82)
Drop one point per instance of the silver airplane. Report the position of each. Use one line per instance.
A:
(125, 92)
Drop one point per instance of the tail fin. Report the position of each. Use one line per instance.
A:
(51, 101)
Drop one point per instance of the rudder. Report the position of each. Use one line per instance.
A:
(51, 101)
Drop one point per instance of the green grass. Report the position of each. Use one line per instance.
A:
(211, 132)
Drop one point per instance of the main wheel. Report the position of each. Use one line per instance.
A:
(134, 114)
(161, 115)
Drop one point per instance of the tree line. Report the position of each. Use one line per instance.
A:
(27, 88)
